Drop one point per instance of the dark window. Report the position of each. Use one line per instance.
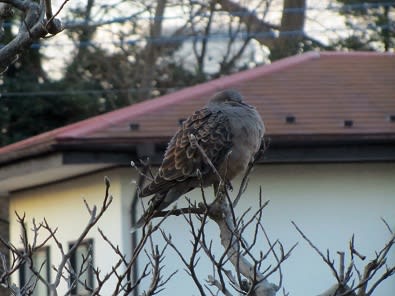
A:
(81, 262)
(41, 264)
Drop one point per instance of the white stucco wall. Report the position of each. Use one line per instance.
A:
(330, 202)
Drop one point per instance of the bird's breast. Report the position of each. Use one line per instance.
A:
(247, 132)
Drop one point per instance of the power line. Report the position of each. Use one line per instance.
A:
(55, 93)
(10, 95)
(346, 8)
(166, 40)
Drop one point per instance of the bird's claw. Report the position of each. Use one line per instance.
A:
(229, 185)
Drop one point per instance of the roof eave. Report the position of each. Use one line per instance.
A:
(154, 146)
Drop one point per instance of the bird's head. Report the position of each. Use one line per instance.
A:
(227, 97)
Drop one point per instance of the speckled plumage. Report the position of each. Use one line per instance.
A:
(225, 126)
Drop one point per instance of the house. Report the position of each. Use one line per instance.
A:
(330, 166)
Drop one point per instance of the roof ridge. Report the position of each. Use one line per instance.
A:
(356, 53)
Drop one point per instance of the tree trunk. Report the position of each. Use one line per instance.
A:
(291, 29)
(152, 52)
(85, 35)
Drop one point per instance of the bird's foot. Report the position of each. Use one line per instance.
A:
(229, 185)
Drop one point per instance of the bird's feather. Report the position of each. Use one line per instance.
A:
(182, 160)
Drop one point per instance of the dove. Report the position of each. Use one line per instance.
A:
(228, 130)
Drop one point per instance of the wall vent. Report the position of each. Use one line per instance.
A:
(290, 119)
(348, 123)
(134, 126)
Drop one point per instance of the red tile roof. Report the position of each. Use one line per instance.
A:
(323, 92)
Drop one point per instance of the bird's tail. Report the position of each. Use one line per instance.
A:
(143, 220)
(140, 222)
(155, 204)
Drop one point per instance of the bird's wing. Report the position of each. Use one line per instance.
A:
(182, 160)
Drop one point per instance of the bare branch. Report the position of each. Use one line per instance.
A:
(33, 27)
(326, 258)
(365, 278)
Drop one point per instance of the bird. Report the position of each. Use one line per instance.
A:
(228, 130)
